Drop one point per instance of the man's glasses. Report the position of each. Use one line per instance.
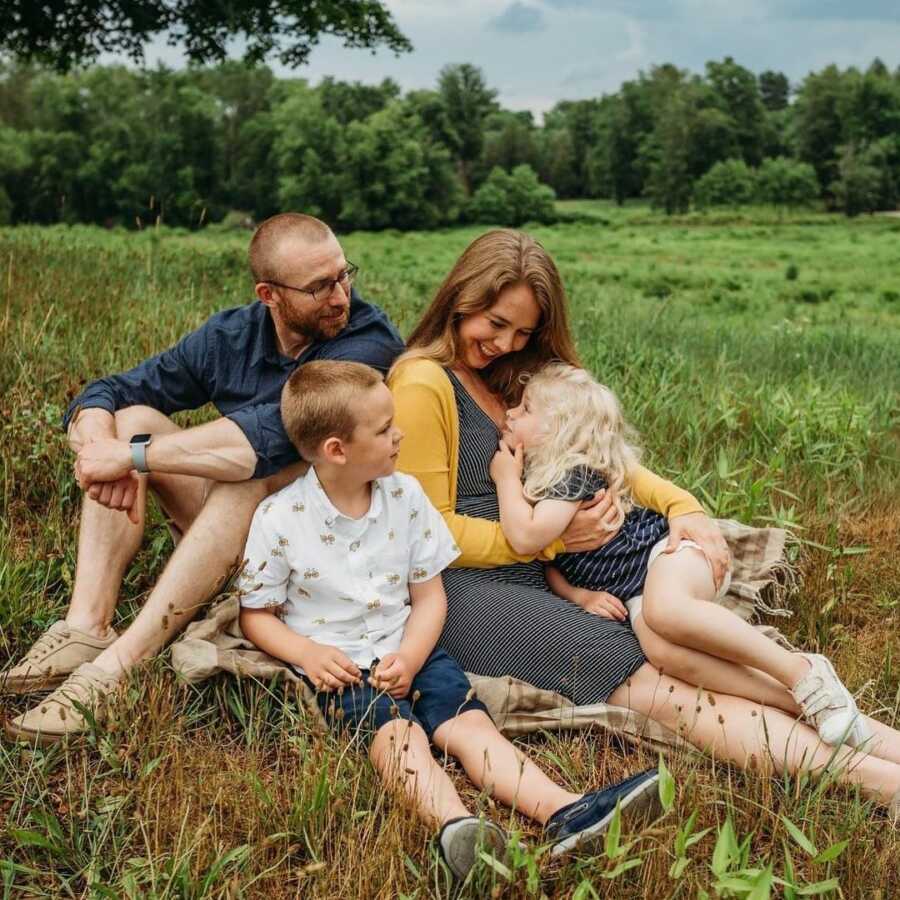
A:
(324, 289)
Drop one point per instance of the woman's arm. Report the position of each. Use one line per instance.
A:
(425, 454)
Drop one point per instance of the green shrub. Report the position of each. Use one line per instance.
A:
(512, 198)
(730, 182)
(786, 182)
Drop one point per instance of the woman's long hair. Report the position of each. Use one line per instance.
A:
(492, 262)
(583, 427)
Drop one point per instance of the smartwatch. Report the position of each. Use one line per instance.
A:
(139, 444)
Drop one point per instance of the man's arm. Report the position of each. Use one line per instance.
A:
(218, 450)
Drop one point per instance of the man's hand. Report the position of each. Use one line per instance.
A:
(328, 668)
(592, 526)
(700, 528)
(600, 603)
(107, 459)
(393, 674)
(507, 463)
(120, 494)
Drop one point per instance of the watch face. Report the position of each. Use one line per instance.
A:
(141, 439)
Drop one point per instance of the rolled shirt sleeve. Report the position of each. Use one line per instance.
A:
(264, 430)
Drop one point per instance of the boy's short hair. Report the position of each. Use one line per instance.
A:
(316, 401)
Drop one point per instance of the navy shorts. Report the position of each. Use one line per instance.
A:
(440, 690)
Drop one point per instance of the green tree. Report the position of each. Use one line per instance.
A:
(787, 182)
(355, 101)
(738, 93)
(774, 90)
(467, 101)
(728, 183)
(67, 33)
(859, 187)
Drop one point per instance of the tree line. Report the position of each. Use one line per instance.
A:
(120, 146)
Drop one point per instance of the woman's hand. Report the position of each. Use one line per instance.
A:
(592, 526)
(600, 603)
(507, 463)
(700, 528)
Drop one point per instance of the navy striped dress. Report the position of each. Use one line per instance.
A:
(506, 621)
(619, 567)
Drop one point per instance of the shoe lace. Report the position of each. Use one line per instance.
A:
(47, 642)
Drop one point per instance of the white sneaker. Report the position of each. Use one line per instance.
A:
(827, 705)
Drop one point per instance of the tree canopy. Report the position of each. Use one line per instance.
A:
(67, 33)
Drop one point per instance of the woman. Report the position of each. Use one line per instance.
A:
(501, 312)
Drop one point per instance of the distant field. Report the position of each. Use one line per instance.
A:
(760, 358)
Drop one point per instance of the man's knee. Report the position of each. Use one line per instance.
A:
(134, 420)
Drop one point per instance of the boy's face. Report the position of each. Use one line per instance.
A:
(373, 449)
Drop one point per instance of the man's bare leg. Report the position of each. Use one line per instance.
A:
(209, 550)
(108, 540)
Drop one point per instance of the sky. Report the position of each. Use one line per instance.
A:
(537, 52)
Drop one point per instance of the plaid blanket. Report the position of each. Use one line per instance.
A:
(761, 576)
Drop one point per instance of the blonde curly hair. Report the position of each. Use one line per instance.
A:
(583, 427)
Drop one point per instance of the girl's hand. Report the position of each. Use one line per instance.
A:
(700, 528)
(600, 603)
(507, 463)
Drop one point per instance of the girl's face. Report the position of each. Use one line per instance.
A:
(503, 328)
(524, 425)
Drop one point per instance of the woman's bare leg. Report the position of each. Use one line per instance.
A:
(677, 606)
(711, 672)
(749, 734)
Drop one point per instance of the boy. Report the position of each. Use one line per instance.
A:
(342, 580)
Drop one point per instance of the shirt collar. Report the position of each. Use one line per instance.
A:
(332, 514)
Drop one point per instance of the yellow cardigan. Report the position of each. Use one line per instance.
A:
(426, 413)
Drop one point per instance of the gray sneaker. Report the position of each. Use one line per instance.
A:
(460, 840)
(53, 657)
(828, 706)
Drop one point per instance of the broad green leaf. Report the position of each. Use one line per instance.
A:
(666, 785)
(622, 867)
(799, 837)
(495, 864)
(832, 852)
(678, 867)
(613, 833)
(725, 850)
(820, 887)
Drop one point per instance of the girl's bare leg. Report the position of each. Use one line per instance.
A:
(493, 763)
(402, 756)
(711, 672)
(748, 734)
(676, 606)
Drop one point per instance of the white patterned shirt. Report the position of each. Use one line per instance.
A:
(343, 581)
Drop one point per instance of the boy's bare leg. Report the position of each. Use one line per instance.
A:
(401, 754)
(197, 569)
(108, 539)
(711, 672)
(494, 764)
(745, 733)
(684, 615)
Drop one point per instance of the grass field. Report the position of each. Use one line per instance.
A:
(759, 357)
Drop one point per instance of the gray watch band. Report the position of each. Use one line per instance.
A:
(139, 454)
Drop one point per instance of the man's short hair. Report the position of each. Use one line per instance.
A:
(316, 402)
(269, 235)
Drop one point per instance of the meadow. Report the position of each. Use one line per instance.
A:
(759, 356)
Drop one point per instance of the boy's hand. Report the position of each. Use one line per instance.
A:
(600, 603)
(329, 668)
(393, 674)
(507, 463)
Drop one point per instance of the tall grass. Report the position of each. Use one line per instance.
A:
(759, 358)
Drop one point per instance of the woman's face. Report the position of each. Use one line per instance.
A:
(503, 328)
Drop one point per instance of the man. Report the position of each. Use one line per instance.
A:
(208, 479)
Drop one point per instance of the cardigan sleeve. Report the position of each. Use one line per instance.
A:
(653, 492)
(422, 412)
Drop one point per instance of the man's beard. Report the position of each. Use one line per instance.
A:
(314, 326)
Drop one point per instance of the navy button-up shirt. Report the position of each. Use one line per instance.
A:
(232, 361)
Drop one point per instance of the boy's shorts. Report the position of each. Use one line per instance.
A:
(634, 604)
(443, 691)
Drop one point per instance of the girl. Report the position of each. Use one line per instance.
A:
(569, 439)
